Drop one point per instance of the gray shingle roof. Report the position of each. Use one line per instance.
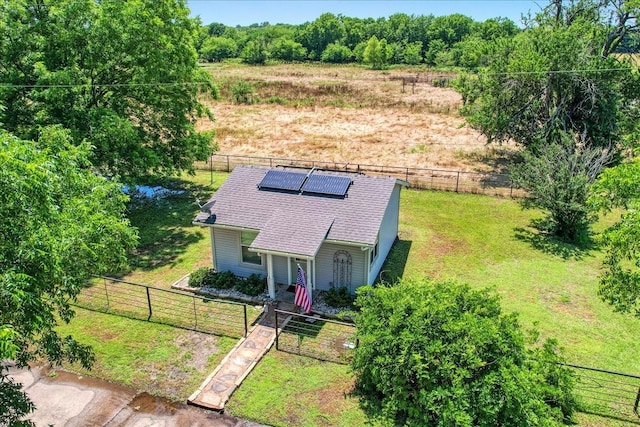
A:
(298, 223)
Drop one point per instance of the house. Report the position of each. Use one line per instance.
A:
(339, 227)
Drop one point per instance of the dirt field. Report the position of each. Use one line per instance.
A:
(346, 114)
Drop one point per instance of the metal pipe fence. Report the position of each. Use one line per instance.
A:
(600, 392)
(143, 302)
(420, 178)
(320, 338)
(607, 393)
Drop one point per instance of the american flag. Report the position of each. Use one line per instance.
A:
(303, 297)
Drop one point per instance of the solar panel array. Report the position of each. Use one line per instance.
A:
(282, 180)
(330, 185)
(327, 184)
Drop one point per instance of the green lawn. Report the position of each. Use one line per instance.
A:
(479, 240)
(170, 246)
(161, 360)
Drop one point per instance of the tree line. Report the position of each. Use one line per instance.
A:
(444, 41)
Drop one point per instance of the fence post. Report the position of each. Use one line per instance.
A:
(106, 293)
(149, 303)
(277, 333)
(635, 406)
(211, 168)
(457, 181)
(246, 330)
(195, 314)
(406, 175)
(228, 163)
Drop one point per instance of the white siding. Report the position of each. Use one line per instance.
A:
(324, 266)
(388, 232)
(228, 256)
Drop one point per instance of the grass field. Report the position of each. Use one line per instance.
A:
(346, 114)
(161, 360)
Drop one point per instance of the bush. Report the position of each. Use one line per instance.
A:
(445, 354)
(253, 285)
(339, 297)
(224, 280)
(201, 277)
(242, 92)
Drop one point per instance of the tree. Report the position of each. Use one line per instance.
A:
(557, 177)
(376, 53)
(216, 29)
(337, 54)
(122, 75)
(412, 53)
(287, 50)
(529, 90)
(443, 354)
(450, 28)
(317, 35)
(619, 187)
(554, 83)
(255, 52)
(218, 48)
(60, 223)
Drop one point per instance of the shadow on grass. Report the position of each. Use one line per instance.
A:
(538, 236)
(393, 268)
(164, 224)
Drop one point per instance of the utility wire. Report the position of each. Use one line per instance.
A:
(73, 85)
(159, 84)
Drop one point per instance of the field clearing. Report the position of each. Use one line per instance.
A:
(348, 114)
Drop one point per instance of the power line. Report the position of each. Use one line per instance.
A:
(98, 85)
(160, 84)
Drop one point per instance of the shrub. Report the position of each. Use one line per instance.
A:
(242, 92)
(253, 285)
(201, 277)
(445, 354)
(224, 280)
(339, 297)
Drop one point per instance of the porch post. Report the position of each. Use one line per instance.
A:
(289, 271)
(271, 285)
(213, 249)
(310, 279)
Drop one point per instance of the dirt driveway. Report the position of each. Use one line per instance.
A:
(66, 399)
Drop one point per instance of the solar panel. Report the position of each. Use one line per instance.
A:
(281, 180)
(327, 184)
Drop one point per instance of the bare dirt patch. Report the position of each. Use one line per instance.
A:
(199, 347)
(348, 114)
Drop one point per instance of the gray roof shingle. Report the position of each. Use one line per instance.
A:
(298, 223)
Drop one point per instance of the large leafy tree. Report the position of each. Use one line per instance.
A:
(619, 188)
(443, 354)
(59, 224)
(557, 85)
(121, 75)
(317, 35)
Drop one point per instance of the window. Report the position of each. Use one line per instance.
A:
(246, 238)
(374, 253)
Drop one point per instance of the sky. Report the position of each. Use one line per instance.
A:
(247, 12)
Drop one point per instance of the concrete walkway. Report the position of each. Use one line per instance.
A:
(216, 390)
